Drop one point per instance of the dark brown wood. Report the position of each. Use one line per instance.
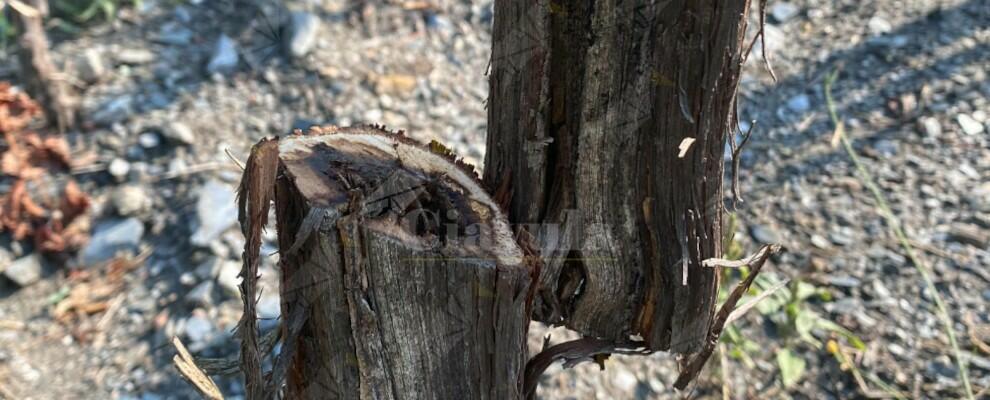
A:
(400, 276)
(37, 71)
(610, 119)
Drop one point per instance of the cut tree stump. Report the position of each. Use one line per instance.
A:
(400, 277)
(607, 122)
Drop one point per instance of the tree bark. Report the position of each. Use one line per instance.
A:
(37, 70)
(400, 276)
(608, 120)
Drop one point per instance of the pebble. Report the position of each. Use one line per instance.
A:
(135, 56)
(149, 140)
(879, 26)
(199, 329)
(930, 127)
(820, 242)
(202, 295)
(216, 211)
(764, 234)
(110, 237)
(228, 278)
(969, 234)
(305, 31)
(6, 257)
(783, 11)
(224, 57)
(90, 67)
(130, 200)
(969, 125)
(625, 380)
(119, 168)
(113, 111)
(178, 132)
(174, 33)
(800, 103)
(841, 236)
(25, 270)
(979, 197)
(886, 148)
(845, 281)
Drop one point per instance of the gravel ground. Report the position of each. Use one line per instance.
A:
(169, 87)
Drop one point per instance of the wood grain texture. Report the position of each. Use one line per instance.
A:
(589, 103)
(411, 284)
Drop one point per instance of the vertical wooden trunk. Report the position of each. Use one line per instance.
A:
(400, 277)
(592, 107)
(37, 70)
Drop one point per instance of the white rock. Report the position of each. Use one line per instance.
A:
(216, 210)
(179, 132)
(130, 200)
(149, 140)
(25, 270)
(119, 168)
(135, 56)
(305, 31)
(783, 11)
(228, 277)
(224, 55)
(879, 26)
(90, 67)
(930, 127)
(969, 125)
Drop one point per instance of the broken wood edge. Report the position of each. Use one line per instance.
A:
(415, 156)
(696, 362)
(574, 352)
(196, 377)
(254, 196)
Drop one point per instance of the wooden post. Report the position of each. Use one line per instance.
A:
(400, 277)
(608, 120)
(37, 70)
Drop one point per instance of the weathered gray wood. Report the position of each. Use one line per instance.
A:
(394, 306)
(590, 105)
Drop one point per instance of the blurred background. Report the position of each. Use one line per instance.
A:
(120, 233)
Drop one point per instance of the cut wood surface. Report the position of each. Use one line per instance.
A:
(400, 275)
(609, 121)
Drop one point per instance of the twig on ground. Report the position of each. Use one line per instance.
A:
(902, 238)
(187, 368)
(573, 353)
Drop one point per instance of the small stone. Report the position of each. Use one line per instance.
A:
(625, 380)
(174, 33)
(879, 26)
(178, 132)
(119, 168)
(199, 329)
(216, 209)
(25, 270)
(969, 125)
(228, 277)
(188, 278)
(201, 295)
(395, 84)
(90, 67)
(764, 234)
(969, 234)
(979, 197)
(820, 242)
(800, 103)
(373, 115)
(135, 56)
(783, 11)
(130, 200)
(880, 290)
(111, 237)
(841, 236)
(305, 31)
(149, 140)
(986, 295)
(930, 127)
(845, 281)
(113, 111)
(224, 55)
(885, 147)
